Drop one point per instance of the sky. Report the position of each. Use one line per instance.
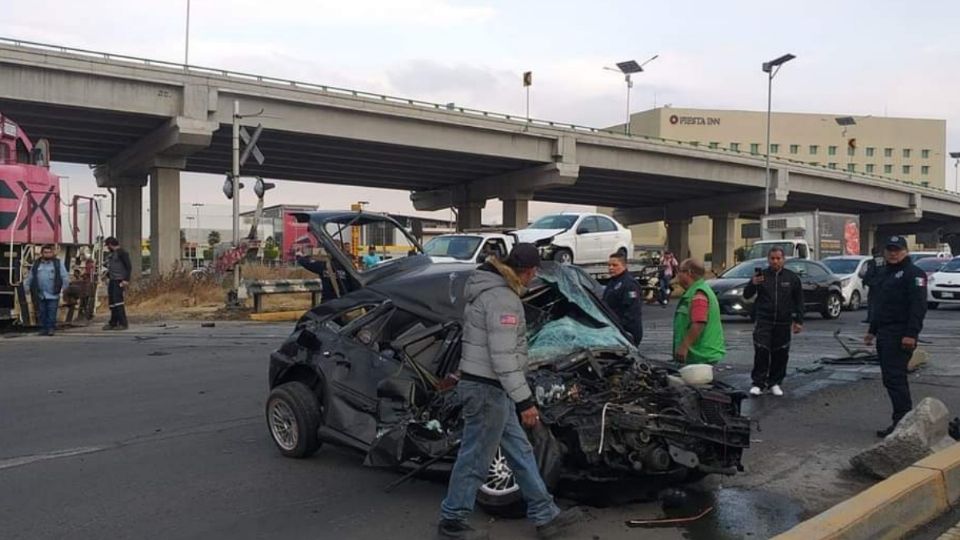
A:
(857, 57)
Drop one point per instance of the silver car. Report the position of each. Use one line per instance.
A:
(848, 269)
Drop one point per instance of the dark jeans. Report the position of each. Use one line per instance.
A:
(490, 421)
(664, 289)
(118, 312)
(893, 368)
(47, 314)
(771, 344)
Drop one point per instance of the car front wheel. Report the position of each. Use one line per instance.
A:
(855, 302)
(832, 306)
(293, 417)
(563, 256)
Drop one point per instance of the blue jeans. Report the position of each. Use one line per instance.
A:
(664, 289)
(47, 314)
(490, 421)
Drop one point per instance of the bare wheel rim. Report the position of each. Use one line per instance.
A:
(855, 302)
(500, 480)
(283, 425)
(833, 306)
(564, 257)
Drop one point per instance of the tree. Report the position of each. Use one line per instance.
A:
(213, 238)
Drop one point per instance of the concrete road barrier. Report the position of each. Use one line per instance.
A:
(893, 507)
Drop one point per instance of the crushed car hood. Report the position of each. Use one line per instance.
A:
(534, 235)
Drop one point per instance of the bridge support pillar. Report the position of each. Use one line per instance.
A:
(678, 238)
(164, 220)
(516, 211)
(724, 240)
(868, 238)
(469, 215)
(129, 218)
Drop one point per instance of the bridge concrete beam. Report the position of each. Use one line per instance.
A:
(724, 240)
(470, 215)
(129, 228)
(678, 238)
(516, 210)
(750, 201)
(551, 175)
(164, 220)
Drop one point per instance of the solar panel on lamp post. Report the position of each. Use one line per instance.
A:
(771, 68)
(628, 68)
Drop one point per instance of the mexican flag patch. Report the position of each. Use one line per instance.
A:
(921, 282)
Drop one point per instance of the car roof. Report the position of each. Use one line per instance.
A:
(846, 258)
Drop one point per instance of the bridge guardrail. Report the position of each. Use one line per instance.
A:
(260, 287)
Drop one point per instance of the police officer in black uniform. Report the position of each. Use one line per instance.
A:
(869, 275)
(900, 294)
(624, 297)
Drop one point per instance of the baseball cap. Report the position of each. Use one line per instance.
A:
(524, 255)
(898, 242)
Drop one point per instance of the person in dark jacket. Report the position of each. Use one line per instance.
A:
(45, 281)
(624, 297)
(319, 267)
(900, 295)
(871, 271)
(119, 271)
(779, 311)
(494, 392)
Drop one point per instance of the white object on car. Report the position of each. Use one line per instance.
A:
(578, 237)
(697, 374)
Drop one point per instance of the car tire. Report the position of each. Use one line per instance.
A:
(933, 305)
(832, 306)
(855, 301)
(293, 418)
(563, 256)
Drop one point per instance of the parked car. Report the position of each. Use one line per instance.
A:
(930, 265)
(468, 247)
(848, 268)
(578, 237)
(376, 371)
(822, 291)
(945, 255)
(943, 287)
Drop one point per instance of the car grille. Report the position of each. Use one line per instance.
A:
(947, 286)
(939, 295)
(713, 412)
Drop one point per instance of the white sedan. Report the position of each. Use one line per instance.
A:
(578, 237)
(943, 287)
(848, 269)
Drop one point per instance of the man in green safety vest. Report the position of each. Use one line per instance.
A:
(697, 332)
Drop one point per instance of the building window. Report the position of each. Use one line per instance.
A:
(832, 150)
(754, 148)
(924, 170)
(851, 167)
(906, 169)
(851, 150)
(832, 165)
(888, 169)
(906, 153)
(714, 145)
(814, 163)
(870, 151)
(794, 148)
(774, 148)
(888, 152)
(735, 146)
(694, 143)
(813, 149)
(925, 154)
(869, 167)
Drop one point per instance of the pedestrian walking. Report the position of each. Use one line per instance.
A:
(697, 330)
(45, 281)
(900, 295)
(623, 296)
(119, 271)
(778, 310)
(494, 390)
(668, 269)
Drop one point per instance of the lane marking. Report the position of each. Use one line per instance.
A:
(59, 454)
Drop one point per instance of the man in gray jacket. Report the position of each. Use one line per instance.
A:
(494, 390)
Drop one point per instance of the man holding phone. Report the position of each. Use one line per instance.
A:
(900, 294)
(779, 311)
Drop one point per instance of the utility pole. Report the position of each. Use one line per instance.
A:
(186, 45)
(235, 179)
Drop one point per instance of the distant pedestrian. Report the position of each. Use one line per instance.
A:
(493, 393)
(779, 311)
(697, 330)
(45, 281)
(371, 259)
(624, 297)
(668, 270)
(119, 271)
(900, 295)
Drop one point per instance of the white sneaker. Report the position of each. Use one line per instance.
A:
(756, 391)
(776, 390)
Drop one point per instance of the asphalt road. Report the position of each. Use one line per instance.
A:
(159, 433)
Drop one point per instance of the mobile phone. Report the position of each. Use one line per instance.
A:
(758, 271)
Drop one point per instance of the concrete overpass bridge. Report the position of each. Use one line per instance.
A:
(137, 119)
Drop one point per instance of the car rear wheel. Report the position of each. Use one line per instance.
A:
(832, 306)
(563, 256)
(855, 302)
(933, 305)
(293, 417)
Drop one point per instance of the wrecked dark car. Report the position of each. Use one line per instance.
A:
(375, 370)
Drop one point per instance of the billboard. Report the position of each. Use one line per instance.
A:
(839, 235)
(296, 237)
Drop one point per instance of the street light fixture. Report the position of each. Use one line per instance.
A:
(628, 68)
(771, 68)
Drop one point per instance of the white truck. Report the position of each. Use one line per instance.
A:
(469, 246)
(808, 235)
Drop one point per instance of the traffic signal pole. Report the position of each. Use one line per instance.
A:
(235, 179)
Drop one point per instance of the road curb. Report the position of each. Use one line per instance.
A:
(277, 316)
(893, 507)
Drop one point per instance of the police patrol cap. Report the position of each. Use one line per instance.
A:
(524, 255)
(897, 242)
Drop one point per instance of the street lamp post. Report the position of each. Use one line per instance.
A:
(186, 44)
(771, 68)
(628, 68)
(956, 164)
(198, 206)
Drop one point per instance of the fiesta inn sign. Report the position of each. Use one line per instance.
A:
(694, 120)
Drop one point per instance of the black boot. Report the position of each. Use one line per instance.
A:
(558, 526)
(459, 530)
